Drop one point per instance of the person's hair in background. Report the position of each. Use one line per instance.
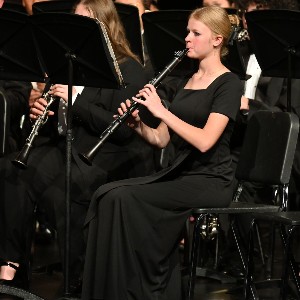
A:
(284, 4)
(221, 3)
(150, 5)
(250, 5)
(105, 12)
(154, 6)
(218, 22)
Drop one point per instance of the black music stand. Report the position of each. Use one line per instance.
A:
(275, 43)
(74, 51)
(128, 14)
(165, 33)
(130, 18)
(18, 63)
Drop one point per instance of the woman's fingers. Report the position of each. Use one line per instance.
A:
(38, 108)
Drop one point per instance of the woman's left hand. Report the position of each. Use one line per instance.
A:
(151, 100)
(61, 90)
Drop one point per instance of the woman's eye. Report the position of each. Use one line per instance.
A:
(196, 33)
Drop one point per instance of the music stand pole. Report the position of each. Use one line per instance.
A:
(68, 181)
(73, 51)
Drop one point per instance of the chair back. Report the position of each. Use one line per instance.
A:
(268, 149)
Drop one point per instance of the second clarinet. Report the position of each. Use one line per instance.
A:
(22, 157)
(89, 156)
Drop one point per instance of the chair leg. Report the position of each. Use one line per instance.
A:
(262, 256)
(242, 255)
(289, 262)
(270, 260)
(194, 256)
(250, 263)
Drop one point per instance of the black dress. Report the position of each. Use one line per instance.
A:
(135, 225)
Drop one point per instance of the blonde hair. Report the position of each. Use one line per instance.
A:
(217, 20)
(105, 11)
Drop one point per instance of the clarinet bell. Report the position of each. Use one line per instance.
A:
(21, 160)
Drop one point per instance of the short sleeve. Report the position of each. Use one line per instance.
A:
(227, 98)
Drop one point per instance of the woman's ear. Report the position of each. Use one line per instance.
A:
(218, 39)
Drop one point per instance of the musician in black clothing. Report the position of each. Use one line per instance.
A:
(93, 109)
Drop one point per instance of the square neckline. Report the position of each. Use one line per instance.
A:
(208, 85)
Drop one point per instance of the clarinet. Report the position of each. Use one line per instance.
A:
(89, 156)
(22, 157)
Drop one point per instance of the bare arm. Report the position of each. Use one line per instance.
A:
(201, 138)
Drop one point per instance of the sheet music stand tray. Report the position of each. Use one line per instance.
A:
(128, 14)
(164, 33)
(275, 44)
(130, 18)
(78, 55)
(18, 63)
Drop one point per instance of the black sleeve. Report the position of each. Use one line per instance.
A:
(227, 99)
(17, 96)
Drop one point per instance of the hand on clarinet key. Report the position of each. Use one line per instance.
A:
(38, 108)
(150, 99)
(61, 91)
(133, 120)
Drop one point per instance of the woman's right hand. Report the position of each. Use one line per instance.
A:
(38, 108)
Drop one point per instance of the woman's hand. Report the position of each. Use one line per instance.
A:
(61, 90)
(244, 103)
(133, 121)
(38, 108)
(151, 100)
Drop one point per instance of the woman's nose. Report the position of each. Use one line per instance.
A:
(187, 38)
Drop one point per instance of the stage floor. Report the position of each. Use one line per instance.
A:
(50, 286)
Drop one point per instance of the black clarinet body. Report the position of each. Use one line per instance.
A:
(22, 157)
(156, 81)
